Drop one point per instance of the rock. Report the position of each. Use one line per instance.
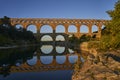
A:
(99, 68)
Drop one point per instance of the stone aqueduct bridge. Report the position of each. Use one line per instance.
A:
(39, 22)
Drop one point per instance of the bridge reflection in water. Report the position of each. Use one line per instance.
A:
(45, 58)
(47, 62)
(39, 66)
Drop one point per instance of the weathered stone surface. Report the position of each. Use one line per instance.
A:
(101, 67)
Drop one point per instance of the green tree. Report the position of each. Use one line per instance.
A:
(73, 39)
(111, 36)
(9, 35)
(5, 21)
(84, 38)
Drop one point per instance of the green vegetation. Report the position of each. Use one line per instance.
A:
(110, 39)
(76, 40)
(111, 36)
(10, 35)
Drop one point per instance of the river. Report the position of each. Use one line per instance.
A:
(45, 62)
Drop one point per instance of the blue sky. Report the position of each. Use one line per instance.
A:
(85, 9)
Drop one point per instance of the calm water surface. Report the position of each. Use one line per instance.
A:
(46, 62)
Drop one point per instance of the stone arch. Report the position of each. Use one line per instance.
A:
(46, 38)
(32, 61)
(32, 28)
(46, 49)
(60, 59)
(94, 29)
(60, 38)
(84, 29)
(60, 49)
(18, 26)
(46, 59)
(60, 29)
(72, 29)
(46, 29)
(103, 26)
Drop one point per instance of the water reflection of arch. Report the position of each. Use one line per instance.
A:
(32, 61)
(54, 52)
(52, 59)
(39, 66)
(53, 62)
(49, 59)
(54, 35)
(46, 60)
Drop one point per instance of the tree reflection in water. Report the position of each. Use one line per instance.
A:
(10, 57)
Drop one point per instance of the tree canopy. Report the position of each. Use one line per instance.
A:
(11, 35)
(111, 36)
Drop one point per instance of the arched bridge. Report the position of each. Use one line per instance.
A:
(39, 22)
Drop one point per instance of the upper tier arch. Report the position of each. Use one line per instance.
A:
(54, 22)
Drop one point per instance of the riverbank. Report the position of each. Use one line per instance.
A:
(103, 66)
(17, 46)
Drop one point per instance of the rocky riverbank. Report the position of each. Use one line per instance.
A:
(103, 66)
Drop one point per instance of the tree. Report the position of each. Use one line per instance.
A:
(9, 35)
(84, 38)
(5, 21)
(73, 39)
(111, 38)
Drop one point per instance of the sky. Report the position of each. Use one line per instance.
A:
(82, 9)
